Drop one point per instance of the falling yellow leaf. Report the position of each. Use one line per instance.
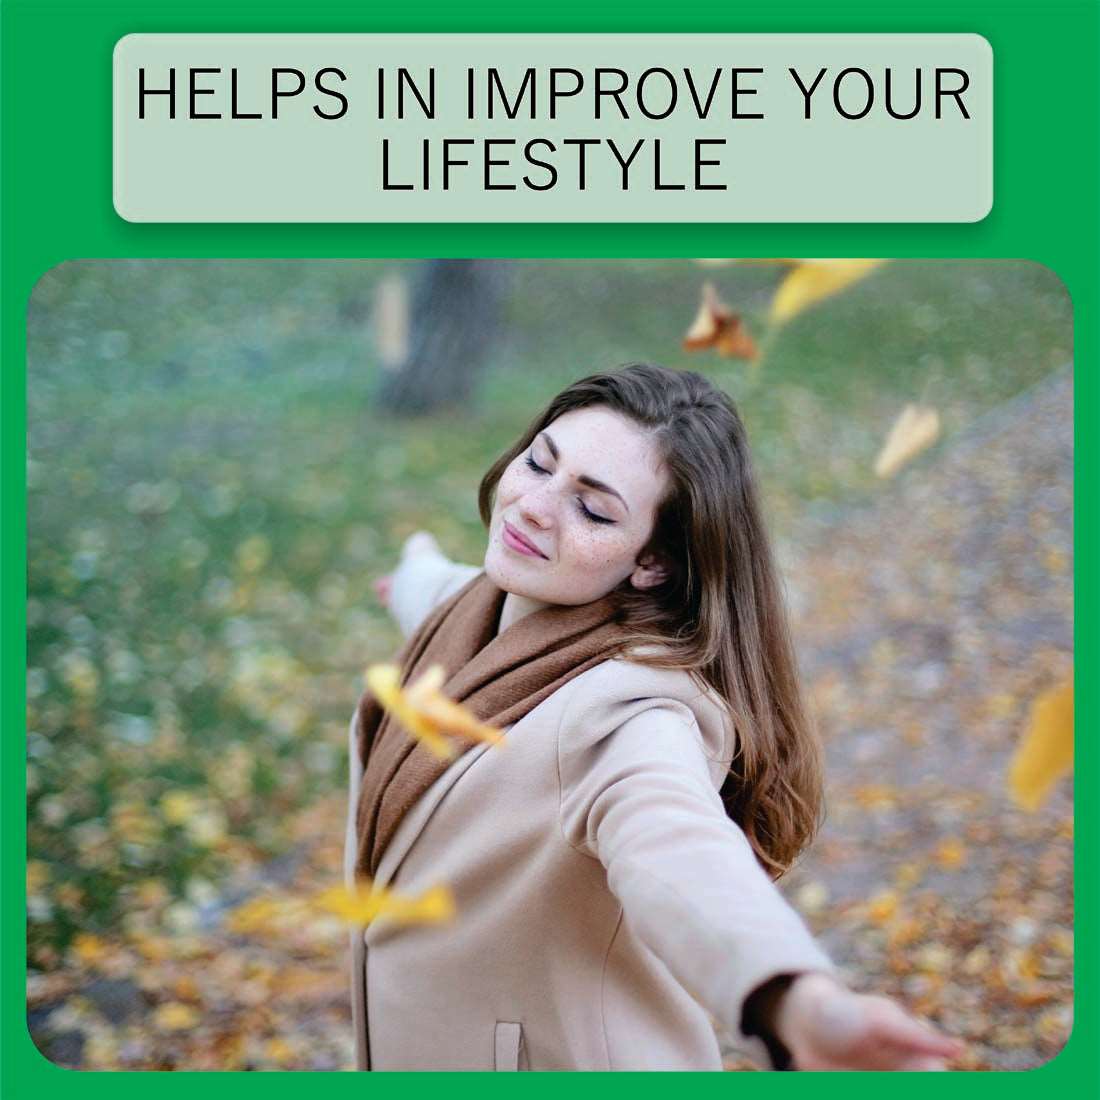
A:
(384, 681)
(916, 429)
(717, 326)
(1045, 752)
(811, 281)
(366, 903)
(423, 709)
(426, 697)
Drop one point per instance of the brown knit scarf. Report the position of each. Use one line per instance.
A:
(498, 678)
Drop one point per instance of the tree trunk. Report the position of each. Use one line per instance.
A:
(454, 318)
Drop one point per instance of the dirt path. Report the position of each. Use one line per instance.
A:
(926, 624)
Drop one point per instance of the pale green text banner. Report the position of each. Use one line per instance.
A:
(553, 128)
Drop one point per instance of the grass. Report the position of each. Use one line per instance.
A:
(211, 493)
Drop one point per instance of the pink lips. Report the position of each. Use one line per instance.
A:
(516, 541)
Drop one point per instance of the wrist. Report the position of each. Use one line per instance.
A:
(800, 1001)
(760, 1015)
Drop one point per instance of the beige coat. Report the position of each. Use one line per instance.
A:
(605, 902)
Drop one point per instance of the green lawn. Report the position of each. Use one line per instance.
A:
(211, 493)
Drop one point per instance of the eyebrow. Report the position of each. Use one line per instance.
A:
(584, 479)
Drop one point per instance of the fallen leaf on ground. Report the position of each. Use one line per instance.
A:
(175, 1016)
(951, 853)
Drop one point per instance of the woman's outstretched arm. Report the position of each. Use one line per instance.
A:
(815, 1022)
(641, 796)
(424, 577)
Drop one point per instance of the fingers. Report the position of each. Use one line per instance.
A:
(933, 1065)
(912, 1037)
(875, 1060)
(865, 1032)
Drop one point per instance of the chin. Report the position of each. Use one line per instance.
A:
(504, 575)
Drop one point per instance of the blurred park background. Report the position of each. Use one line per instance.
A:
(222, 456)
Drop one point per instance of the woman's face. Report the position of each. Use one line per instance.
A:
(585, 495)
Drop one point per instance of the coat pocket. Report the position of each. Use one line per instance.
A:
(509, 1048)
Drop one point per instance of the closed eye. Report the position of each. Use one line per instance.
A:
(590, 516)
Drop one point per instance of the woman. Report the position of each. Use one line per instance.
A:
(612, 861)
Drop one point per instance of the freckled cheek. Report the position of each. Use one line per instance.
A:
(506, 491)
(603, 553)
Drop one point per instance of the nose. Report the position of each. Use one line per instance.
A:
(537, 507)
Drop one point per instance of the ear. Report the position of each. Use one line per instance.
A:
(649, 572)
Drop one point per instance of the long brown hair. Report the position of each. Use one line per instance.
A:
(720, 612)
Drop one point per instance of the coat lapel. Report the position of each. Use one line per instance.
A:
(403, 839)
(417, 818)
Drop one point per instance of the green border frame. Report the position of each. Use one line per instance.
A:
(55, 79)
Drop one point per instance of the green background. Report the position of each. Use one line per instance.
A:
(56, 83)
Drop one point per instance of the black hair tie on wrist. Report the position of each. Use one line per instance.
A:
(760, 1006)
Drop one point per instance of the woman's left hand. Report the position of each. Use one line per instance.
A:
(827, 1026)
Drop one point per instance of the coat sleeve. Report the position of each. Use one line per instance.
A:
(641, 795)
(423, 581)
